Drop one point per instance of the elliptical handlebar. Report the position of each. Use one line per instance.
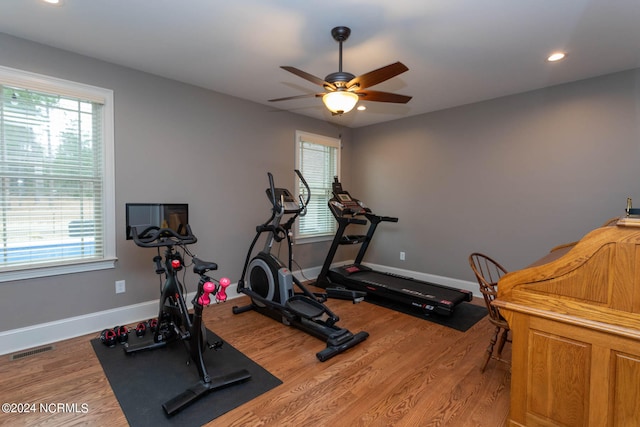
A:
(306, 185)
(279, 205)
(278, 209)
(153, 237)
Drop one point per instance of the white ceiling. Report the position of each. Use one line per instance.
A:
(457, 51)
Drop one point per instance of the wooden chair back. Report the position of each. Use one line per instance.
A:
(488, 272)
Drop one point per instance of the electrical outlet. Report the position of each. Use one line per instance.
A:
(401, 256)
(120, 286)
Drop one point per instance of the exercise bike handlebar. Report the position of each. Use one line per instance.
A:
(153, 237)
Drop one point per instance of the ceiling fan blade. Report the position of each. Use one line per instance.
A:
(308, 77)
(374, 77)
(377, 96)
(306, 95)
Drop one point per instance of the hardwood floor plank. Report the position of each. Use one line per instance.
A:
(409, 372)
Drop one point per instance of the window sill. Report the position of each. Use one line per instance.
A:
(32, 273)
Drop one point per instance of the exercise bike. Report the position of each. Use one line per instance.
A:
(174, 321)
(270, 284)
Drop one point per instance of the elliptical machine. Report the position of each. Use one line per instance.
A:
(270, 284)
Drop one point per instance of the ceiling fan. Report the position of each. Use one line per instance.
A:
(343, 90)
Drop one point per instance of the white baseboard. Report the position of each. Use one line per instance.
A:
(46, 333)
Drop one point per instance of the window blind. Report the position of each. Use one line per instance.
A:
(318, 160)
(51, 178)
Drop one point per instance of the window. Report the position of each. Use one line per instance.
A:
(318, 158)
(56, 176)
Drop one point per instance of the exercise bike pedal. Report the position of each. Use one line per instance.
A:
(305, 307)
(215, 346)
(184, 336)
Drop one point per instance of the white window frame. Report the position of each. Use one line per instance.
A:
(43, 83)
(299, 187)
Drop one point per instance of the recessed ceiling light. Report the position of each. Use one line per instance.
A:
(53, 2)
(361, 108)
(557, 56)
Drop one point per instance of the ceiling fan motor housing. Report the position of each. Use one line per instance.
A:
(340, 34)
(339, 79)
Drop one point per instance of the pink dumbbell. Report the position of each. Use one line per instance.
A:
(222, 292)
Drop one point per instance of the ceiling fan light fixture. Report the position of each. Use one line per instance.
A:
(341, 101)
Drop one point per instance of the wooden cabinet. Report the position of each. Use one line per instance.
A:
(575, 321)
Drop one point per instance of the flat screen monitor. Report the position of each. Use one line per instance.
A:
(164, 215)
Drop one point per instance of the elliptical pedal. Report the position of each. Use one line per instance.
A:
(305, 307)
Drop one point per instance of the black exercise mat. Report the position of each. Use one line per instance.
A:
(464, 315)
(142, 382)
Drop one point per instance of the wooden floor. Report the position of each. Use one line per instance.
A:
(410, 372)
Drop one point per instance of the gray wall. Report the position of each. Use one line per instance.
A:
(174, 143)
(511, 177)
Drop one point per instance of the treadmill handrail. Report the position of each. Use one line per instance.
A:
(357, 221)
(377, 218)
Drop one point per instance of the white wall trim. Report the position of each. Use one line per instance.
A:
(46, 333)
(50, 332)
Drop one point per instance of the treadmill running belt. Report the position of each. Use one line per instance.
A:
(426, 296)
(411, 287)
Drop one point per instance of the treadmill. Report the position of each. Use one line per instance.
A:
(427, 296)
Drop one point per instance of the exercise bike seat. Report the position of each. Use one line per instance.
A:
(200, 267)
(305, 307)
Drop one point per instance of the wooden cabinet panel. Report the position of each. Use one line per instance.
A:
(574, 376)
(575, 320)
(625, 390)
(558, 378)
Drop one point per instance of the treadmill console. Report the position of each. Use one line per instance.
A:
(343, 204)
